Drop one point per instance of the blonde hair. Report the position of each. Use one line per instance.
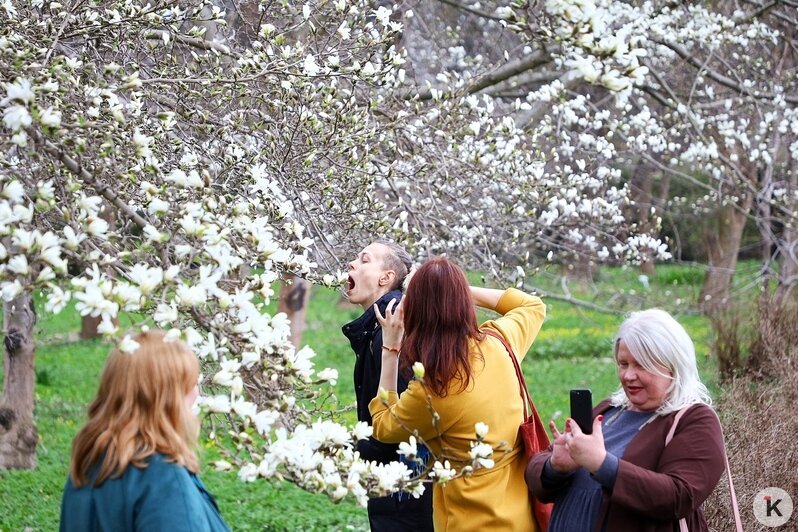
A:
(140, 409)
(657, 341)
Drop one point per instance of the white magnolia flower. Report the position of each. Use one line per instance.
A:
(19, 265)
(107, 327)
(10, 290)
(71, 239)
(93, 302)
(191, 296)
(222, 465)
(45, 274)
(264, 420)
(157, 207)
(310, 67)
(18, 91)
(362, 430)
(153, 235)
(147, 278)
(45, 190)
(128, 345)
(481, 455)
(481, 430)
(408, 448)
(248, 473)
(50, 117)
(368, 70)
(57, 300)
(328, 374)
(442, 473)
(97, 227)
(217, 403)
(14, 192)
(383, 15)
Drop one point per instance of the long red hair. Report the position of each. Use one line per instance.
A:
(140, 409)
(439, 319)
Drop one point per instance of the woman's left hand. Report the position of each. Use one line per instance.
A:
(587, 450)
(393, 325)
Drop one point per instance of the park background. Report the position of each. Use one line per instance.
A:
(573, 349)
(168, 163)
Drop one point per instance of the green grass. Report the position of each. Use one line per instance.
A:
(572, 351)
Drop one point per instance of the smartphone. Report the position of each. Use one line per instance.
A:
(582, 409)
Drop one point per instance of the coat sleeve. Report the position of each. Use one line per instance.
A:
(394, 422)
(522, 317)
(689, 469)
(534, 478)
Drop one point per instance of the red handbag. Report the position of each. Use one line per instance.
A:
(532, 433)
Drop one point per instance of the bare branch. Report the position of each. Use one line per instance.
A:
(473, 10)
(503, 73)
(685, 54)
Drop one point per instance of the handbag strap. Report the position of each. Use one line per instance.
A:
(738, 524)
(523, 390)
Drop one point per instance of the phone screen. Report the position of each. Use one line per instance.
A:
(582, 409)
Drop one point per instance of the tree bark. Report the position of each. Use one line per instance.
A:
(788, 257)
(18, 436)
(294, 298)
(722, 239)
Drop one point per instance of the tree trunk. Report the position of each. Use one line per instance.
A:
(18, 436)
(722, 239)
(788, 257)
(639, 212)
(294, 298)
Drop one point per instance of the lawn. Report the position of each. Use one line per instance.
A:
(572, 351)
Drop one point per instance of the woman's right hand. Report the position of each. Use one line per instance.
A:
(561, 459)
(393, 326)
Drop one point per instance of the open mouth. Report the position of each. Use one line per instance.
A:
(350, 285)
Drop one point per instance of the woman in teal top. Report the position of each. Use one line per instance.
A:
(134, 465)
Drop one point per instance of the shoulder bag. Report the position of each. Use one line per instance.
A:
(532, 433)
(738, 525)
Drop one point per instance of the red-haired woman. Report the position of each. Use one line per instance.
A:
(134, 464)
(469, 378)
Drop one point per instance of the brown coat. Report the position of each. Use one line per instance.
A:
(657, 485)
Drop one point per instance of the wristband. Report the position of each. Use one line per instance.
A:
(391, 349)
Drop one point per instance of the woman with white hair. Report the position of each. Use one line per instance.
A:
(656, 451)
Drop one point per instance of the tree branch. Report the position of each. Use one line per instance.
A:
(158, 35)
(502, 73)
(76, 168)
(682, 52)
(475, 11)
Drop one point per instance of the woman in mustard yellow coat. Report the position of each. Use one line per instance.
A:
(469, 379)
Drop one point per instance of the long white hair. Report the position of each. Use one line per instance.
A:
(657, 341)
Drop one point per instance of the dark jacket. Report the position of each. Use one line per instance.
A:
(365, 337)
(161, 496)
(656, 485)
(399, 512)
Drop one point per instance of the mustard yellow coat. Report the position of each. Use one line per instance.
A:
(493, 499)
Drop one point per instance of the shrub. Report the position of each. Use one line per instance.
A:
(757, 411)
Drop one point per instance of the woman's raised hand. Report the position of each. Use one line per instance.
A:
(561, 461)
(586, 450)
(393, 325)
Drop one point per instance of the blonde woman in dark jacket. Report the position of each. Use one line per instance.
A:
(623, 476)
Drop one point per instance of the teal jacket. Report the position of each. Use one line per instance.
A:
(160, 497)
